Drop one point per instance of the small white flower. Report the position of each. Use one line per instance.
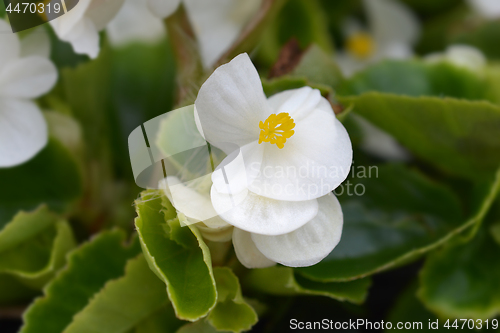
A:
(378, 142)
(216, 23)
(489, 9)
(25, 74)
(81, 25)
(465, 56)
(135, 23)
(393, 29)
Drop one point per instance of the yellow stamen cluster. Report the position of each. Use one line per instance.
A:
(361, 45)
(276, 129)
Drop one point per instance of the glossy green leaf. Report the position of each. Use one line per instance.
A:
(178, 256)
(461, 280)
(280, 280)
(89, 268)
(122, 303)
(417, 78)
(231, 313)
(161, 321)
(400, 216)
(33, 246)
(286, 82)
(318, 67)
(409, 310)
(457, 136)
(201, 326)
(302, 20)
(52, 177)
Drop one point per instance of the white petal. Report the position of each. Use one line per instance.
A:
(216, 234)
(391, 22)
(85, 38)
(9, 44)
(466, 56)
(196, 206)
(231, 103)
(163, 8)
(218, 23)
(28, 77)
(379, 143)
(489, 9)
(313, 162)
(395, 51)
(261, 215)
(349, 65)
(135, 23)
(37, 43)
(239, 169)
(23, 131)
(309, 244)
(63, 25)
(299, 103)
(247, 252)
(102, 12)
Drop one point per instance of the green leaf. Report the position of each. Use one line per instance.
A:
(318, 67)
(52, 177)
(14, 292)
(401, 215)
(280, 280)
(282, 83)
(417, 78)
(122, 303)
(89, 268)
(163, 320)
(33, 246)
(461, 280)
(482, 36)
(495, 232)
(231, 313)
(201, 326)
(303, 20)
(457, 136)
(408, 310)
(178, 256)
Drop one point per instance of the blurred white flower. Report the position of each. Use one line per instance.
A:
(216, 23)
(293, 151)
(135, 22)
(81, 25)
(25, 74)
(379, 143)
(465, 56)
(489, 9)
(393, 30)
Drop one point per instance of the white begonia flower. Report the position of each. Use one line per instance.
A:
(465, 56)
(301, 247)
(135, 23)
(393, 30)
(80, 26)
(379, 143)
(25, 74)
(489, 9)
(294, 152)
(216, 23)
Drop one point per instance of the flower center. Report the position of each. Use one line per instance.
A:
(276, 129)
(360, 44)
